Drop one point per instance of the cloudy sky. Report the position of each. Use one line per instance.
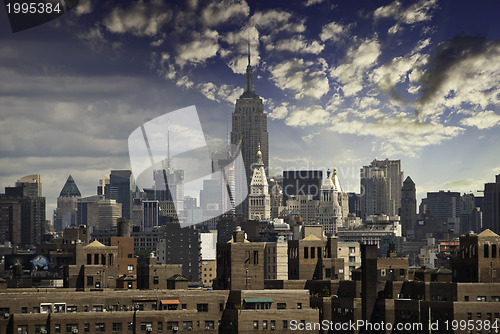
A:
(343, 82)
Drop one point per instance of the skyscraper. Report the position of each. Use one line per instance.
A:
(381, 184)
(491, 205)
(65, 214)
(249, 125)
(121, 186)
(408, 210)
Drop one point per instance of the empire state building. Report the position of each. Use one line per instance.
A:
(249, 124)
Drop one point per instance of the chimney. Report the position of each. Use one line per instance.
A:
(238, 235)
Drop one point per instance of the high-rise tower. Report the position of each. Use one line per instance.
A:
(408, 212)
(249, 124)
(259, 199)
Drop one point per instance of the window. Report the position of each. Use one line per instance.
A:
(100, 327)
(90, 280)
(22, 329)
(209, 325)
(72, 308)
(155, 280)
(285, 324)
(264, 324)
(187, 325)
(130, 326)
(57, 328)
(486, 250)
(40, 328)
(96, 258)
(401, 272)
(478, 315)
(255, 257)
(221, 307)
(481, 298)
(352, 259)
(466, 298)
(306, 253)
(24, 309)
(202, 307)
(36, 309)
(71, 327)
(313, 253)
(97, 308)
(160, 326)
(103, 259)
(184, 306)
(86, 327)
(299, 306)
(89, 258)
(273, 324)
(495, 298)
(146, 325)
(352, 249)
(171, 325)
(281, 306)
(256, 324)
(130, 267)
(117, 326)
(469, 316)
(328, 272)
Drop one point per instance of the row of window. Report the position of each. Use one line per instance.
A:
(270, 324)
(116, 327)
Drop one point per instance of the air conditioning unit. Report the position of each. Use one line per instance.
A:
(149, 329)
(190, 328)
(273, 328)
(175, 328)
(6, 315)
(74, 331)
(207, 328)
(43, 331)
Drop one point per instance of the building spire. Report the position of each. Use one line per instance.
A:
(249, 89)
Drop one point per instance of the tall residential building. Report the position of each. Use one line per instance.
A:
(259, 200)
(408, 212)
(121, 187)
(381, 184)
(445, 207)
(302, 182)
(22, 211)
(491, 205)
(65, 214)
(178, 245)
(249, 125)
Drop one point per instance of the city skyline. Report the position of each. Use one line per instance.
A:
(342, 84)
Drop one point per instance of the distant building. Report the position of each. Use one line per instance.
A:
(408, 211)
(381, 184)
(65, 214)
(445, 207)
(208, 258)
(302, 182)
(329, 209)
(491, 205)
(303, 206)
(121, 187)
(276, 266)
(259, 201)
(97, 212)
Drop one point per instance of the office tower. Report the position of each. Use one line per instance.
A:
(32, 185)
(249, 127)
(24, 201)
(150, 213)
(302, 182)
(491, 205)
(329, 209)
(121, 187)
(259, 200)
(443, 205)
(210, 198)
(65, 214)
(178, 245)
(381, 184)
(97, 212)
(354, 203)
(408, 212)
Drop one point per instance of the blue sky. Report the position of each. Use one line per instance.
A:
(343, 82)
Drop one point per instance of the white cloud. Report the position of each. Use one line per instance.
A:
(296, 44)
(417, 12)
(237, 53)
(312, 115)
(482, 120)
(201, 47)
(84, 7)
(277, 21)
(184, 82)
(225, 11)
(334, 32)
(140, 19)
(313, 2)
(219, 93)
(279, 112)
(355, 65)
(306, 78)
